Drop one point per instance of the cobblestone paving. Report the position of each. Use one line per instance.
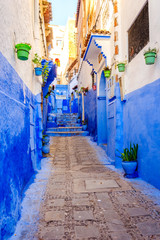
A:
(86, 200)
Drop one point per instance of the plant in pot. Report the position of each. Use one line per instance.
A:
(45, 72)
(84, 125)
(150, 56)
(37, 61)
(107, 72)
(23, 50)
(45, 144)
(129, 160)
(121, 66)
(79, 120)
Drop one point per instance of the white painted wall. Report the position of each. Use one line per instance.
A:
(84, 77)
(138, 74)
(18, 26)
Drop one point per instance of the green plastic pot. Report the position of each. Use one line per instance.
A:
(107, 73)
(150, 58)
(23, 51)
(121, 67)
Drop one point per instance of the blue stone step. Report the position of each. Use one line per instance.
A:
(65, 129)
(67, 134)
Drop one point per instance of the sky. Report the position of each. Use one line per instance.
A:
(62, 9)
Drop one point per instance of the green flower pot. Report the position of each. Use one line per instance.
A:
(23, 51)
(121, 67)
(150, 58)
(107, 73)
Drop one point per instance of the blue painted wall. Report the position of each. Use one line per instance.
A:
(90, 105)
(142, 126)
(20, 148)
(74, 106)
(101, 112)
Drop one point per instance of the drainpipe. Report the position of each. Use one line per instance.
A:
(36, 26)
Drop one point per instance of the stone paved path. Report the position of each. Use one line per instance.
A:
(86, 200)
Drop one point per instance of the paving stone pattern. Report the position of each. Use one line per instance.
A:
(86, 200)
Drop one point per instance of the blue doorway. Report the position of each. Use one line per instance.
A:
(101, 112)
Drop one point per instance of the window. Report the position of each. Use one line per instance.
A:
(59, 43)
(138, 34)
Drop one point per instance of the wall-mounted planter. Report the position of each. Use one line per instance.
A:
(107, 73)
(121, 67)
(150, 57)
(23, 51)
(38, 71)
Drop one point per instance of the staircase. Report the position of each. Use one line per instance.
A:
(67, 126)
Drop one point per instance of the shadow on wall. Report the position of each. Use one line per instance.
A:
(18, 159)
(90, 105)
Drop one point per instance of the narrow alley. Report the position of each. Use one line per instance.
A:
(84, 199)
(79, 120)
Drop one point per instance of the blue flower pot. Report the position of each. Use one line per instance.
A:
(38, 71)
(84, 127)
(129, 168)
(46, 139)
(79, 120)
(45, 148)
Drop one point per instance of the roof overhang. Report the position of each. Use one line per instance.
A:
(98, 47)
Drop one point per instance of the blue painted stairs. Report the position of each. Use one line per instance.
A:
(67, 126)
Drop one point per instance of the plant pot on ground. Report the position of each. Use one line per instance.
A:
(23, 51)
(84, 125)
(37, 61)
(107, 72)
(150, 56)
(129, 160)
(45, 144)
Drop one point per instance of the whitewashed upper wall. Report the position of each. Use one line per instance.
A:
(138, 73)
(17, 26)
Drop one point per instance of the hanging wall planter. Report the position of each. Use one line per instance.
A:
(107, 72)
(121, 67)
(38, 68)
(150, 56)
(38, 71)
(23, 51)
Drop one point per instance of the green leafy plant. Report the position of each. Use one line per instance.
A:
(129, 155)
(45, 72)
(106, 69)
(154, 50)
(37, 60)
(85, 122)
(84, 90)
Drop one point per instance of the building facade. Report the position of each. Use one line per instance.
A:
(20, 94)
(124, 108)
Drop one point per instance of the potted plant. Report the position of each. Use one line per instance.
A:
(84, 125)
(121, 66)
(37, 61)
(107, 72)
(150, 56)
(129, 160)
(23, 50)
(45, 72)
(45, 144)
(79, 120)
